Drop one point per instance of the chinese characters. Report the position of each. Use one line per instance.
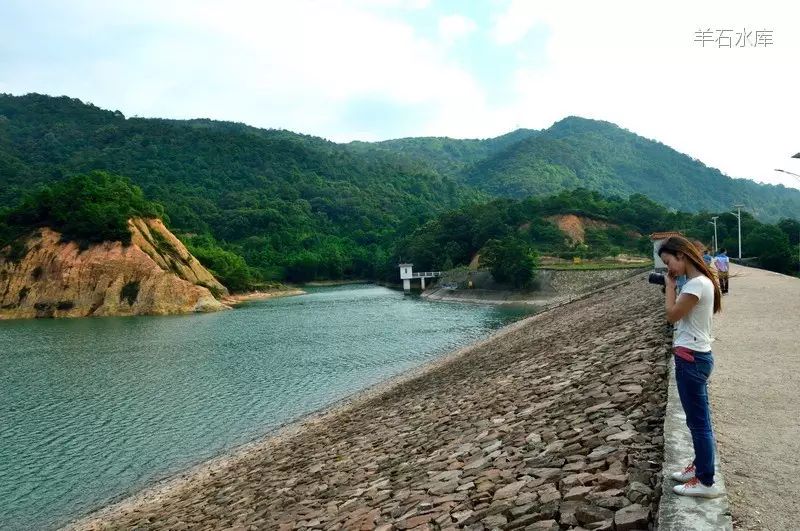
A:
(730, 38)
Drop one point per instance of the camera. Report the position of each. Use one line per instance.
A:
(657, 278)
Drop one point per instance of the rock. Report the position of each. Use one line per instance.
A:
(577, 493)
(605, 525)
(574, 467)
(567, 513)
(500, 506)
(533, 438)
(622, 436)
(545, 473)
(495, 520)
(544, 525)
(598, 407)
(549, 496)
(613, 503)
(575, 480)
(477, 464)
(526, 498)
(447, 475)
(509, 490)
(439, 489)
(639, 493)
(154, 275)
(632, 517)
(520, 510)
(492, 447)
(587, 514)
(462, 516)
(552, 447)
(612, 480)
(414, 521)
(601, 452)
(599, 494)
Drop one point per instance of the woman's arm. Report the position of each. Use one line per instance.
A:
(677, 307)
(677, 310)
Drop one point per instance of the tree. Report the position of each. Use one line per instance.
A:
(771, 245)
(93, 207)
(511, 261)
(791, 227)
(228, 267)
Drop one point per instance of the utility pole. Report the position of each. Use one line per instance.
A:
(716, 245)
(738, 215)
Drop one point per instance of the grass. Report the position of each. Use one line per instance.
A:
(596, 266)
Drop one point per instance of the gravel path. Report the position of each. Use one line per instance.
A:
(554, 423)
(755, 392)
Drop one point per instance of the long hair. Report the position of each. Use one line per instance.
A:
(678, 244)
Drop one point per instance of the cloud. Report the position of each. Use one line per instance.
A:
(511, 25)
(454, 27)
(299, 65)
(639, 67)
(381, 68)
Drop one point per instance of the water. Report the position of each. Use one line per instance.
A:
(92, 410)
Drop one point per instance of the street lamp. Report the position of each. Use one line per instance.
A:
(738, 215)
(790, 173)
(797, 156)
(714, 222)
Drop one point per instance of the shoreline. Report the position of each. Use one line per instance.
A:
(495, 298)
(481, 434)
(233, 300)
(207, 468)
(327, 283)
(543, 300)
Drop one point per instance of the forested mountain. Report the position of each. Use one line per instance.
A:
(578, 152)
(259, 205)
(613, 226)
(449, 156)
(295, 207)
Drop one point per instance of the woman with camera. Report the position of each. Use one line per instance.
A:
(691, 313)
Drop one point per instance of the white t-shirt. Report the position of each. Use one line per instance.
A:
(694, 330)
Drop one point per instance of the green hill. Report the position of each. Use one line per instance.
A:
(612, 226)
(295, 207)
(449, 156)
(277, 205)
(578, 152)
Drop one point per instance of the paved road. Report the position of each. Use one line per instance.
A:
(755, 393)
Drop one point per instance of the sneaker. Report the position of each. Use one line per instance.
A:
(693, 487)
(685, 475)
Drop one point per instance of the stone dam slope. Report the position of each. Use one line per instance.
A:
(553, 423)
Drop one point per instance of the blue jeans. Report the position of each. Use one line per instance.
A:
(692, 380)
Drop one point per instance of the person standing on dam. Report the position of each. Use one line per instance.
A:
(723, 265)
(691, 312)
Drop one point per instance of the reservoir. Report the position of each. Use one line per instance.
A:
(95, 409)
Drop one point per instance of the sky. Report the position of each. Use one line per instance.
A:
(711, 79)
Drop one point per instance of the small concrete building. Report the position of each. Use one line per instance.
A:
(407, 274)
(658, 238)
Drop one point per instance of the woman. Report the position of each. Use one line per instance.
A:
(691, 312)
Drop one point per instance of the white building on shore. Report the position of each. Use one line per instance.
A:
(407, 275)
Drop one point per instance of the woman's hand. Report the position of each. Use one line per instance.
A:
(670, 281)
